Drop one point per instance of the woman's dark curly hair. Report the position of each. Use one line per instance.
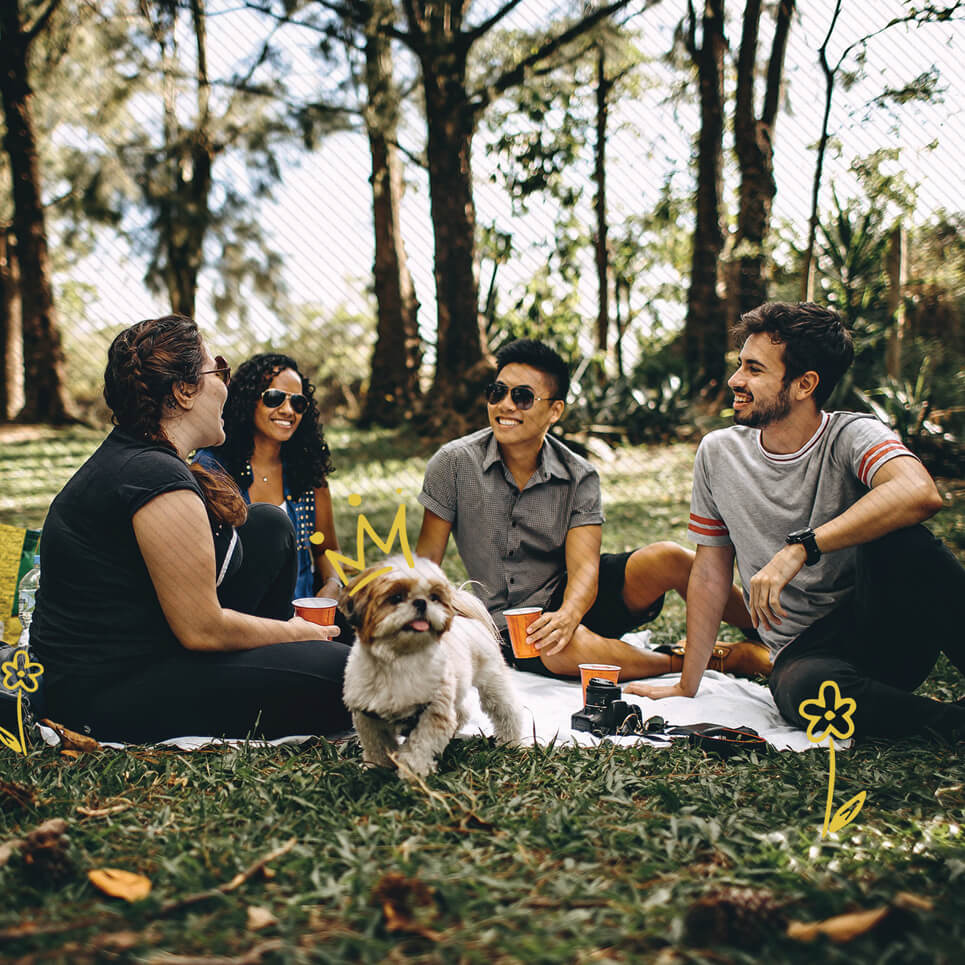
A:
(306, 456)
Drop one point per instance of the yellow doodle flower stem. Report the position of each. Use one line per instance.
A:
(827, 810)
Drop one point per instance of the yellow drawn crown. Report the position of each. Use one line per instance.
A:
(358, 563)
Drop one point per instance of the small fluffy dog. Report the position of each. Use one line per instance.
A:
(422, 643)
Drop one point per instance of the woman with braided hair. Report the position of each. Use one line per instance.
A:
(275, 451)
(165, 604)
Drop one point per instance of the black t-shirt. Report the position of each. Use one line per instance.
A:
(97, 614)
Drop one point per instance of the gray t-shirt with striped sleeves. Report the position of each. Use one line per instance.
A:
(750, 498)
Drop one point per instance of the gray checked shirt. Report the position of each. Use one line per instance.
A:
(512, 542)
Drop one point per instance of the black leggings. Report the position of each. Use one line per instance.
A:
(272, 691)
(908, 606)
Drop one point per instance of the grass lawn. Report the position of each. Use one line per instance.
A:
(537, 855)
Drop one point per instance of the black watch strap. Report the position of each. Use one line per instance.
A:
(806, 538)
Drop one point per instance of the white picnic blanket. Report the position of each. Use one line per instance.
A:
(730, 701)
(548, 704)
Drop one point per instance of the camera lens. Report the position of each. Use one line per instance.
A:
(601, 693)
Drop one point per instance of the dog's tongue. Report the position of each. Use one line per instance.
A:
(419, 625)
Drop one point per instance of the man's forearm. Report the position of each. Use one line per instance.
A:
(896, 504)
(708, 591)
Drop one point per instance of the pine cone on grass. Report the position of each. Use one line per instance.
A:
(740, 917)
(45, 854)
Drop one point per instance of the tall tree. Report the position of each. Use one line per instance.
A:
(394, 381)
(203, 119)
(361, 28)
(921, 89)
(754, 145)
(45, 394)
(705, 328)
(441, 39)
(546, 158)
(11, 338)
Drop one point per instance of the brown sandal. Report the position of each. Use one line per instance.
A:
(744, 659)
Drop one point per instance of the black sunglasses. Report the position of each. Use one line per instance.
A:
(522, 395)
(223, 370)
(276, 397)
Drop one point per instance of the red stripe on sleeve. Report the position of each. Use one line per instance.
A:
(874, 455)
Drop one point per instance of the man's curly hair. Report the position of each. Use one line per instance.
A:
(306, 456)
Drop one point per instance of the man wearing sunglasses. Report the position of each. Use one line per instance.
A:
(526, 514)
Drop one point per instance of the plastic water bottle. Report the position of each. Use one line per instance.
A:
(27, 594)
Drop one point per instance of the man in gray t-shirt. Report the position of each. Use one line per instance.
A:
(526, 515)
(821, 511)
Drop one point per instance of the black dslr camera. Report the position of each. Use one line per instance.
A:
(605, 713)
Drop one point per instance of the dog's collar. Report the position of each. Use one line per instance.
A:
(406, 725)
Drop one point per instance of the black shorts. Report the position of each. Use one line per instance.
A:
(609, 615)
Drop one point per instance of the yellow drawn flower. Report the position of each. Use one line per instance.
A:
(21, 673)
(835, 718)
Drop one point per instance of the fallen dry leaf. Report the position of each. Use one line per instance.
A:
(120, 884)
(905, 899)
(259, 918)
(841, 928)
(71, 740)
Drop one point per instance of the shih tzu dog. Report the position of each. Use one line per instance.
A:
(422, 643)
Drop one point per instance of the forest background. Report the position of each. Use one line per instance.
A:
(391, 191)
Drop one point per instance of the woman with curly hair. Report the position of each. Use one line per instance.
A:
(164, 608)
(275, 451)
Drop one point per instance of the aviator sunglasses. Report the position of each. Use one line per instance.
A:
(273, 398)
(223, 370)
(522, 395)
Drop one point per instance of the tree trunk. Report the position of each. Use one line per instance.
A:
(896, 265)
(394, 382)
(45, 396)
(754, 143)
(830, 75)
(190, 158)
(599, 204)
(705, 329)
(11, 330)
(450, 122)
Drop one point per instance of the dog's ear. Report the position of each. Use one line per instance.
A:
(350, 604)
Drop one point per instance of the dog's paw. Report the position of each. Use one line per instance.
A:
(414, 767)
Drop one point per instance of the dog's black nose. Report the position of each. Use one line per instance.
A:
(420, 605)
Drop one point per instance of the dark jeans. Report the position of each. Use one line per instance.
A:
(908, 606)
(272, 691)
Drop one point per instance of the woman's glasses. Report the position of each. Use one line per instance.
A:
(276, 397)
(223, 370)
(522, 395)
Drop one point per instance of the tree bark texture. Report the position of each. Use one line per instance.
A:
(186, 214)
(450, 123)
(11, 332)
(599, 176)
(896, 266)
(830, 75)
(394, 382)
(705, 328)
(754, 143)
(45, 395)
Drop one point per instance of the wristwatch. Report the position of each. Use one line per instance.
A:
(806, 538)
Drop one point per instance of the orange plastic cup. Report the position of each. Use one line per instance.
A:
(607, 671)
(518, 620)
(316, 609)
